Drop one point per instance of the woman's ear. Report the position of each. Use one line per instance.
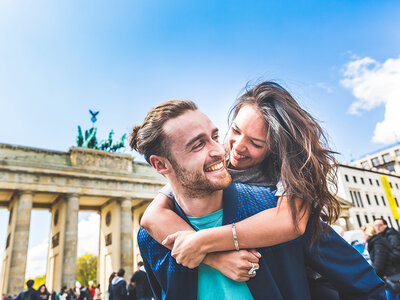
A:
(160, 164)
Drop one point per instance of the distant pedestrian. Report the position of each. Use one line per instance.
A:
(392, 235)
(92, 291)
(97, 293)
(108, 293)
(43, 292)
(71, 294)
(118, 287)
(379, 250)
(30, 293)
(143, 289)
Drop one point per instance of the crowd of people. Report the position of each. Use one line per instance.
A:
(137, 289)
(382, 249)
(42, 293)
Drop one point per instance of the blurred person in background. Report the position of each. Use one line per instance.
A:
(379, 250)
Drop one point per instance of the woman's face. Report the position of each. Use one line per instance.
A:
(366, 236)
(42, 289)
(247, 138)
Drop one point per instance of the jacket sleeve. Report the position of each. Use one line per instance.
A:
(381, 254)
(155, 286)
(342, 265)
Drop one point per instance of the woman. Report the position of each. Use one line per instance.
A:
(271, 142)
(379, 250)
(43, 293)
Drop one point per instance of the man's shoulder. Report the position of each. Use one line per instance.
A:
(148, 245)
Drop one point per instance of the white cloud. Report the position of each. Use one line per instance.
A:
(88, 235)
(88, 242)
(375, 84)
(37, 260)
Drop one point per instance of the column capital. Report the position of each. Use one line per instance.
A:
(72, 195)
(24, 192)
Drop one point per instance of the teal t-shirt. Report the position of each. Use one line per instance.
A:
(212, 283)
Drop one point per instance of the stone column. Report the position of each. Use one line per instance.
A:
(70, 241)
(17, 243)
(126, 237)
(62, 254)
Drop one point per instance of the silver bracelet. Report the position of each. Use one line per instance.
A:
(235, 240)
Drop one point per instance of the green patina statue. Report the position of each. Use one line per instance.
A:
(90, 139)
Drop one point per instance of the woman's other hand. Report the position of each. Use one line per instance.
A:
(234, 264)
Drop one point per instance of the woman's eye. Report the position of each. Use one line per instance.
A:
(255, 145)
(235, 130)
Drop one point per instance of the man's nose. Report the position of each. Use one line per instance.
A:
(217, 149)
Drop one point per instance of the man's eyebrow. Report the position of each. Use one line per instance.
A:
(193, 140)
(250, 137)
(199, 136)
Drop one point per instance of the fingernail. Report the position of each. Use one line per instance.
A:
(259, 254)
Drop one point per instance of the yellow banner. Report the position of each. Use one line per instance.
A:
(392, 202)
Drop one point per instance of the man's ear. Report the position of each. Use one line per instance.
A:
(160, 163)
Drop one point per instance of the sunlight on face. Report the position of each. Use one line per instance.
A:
(247, 138)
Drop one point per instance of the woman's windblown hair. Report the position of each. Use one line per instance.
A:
(297, 153)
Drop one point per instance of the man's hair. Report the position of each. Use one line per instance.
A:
(30, 283)
(149, 138)
(383, 220)
(121, 272)
(140, 263)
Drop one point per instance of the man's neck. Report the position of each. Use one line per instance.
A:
(198, 205)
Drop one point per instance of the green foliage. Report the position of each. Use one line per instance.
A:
(87, 269)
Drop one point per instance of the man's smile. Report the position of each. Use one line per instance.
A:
(215, 167)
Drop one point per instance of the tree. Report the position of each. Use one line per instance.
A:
(87, 269)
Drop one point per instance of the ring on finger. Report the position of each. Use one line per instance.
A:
(253, 269)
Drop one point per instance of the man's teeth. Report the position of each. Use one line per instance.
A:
(215, 167)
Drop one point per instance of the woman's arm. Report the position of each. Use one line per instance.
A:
(266, 228)
(160, 220)
(233, 264)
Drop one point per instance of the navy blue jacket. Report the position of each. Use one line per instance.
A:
(282, 273)
(118, 289)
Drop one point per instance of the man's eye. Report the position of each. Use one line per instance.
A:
(216, 137)
(198, 145)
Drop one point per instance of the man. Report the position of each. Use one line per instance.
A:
(391, 235)
(118, 286)
(182, 144)
(139, 279)
(30, 293)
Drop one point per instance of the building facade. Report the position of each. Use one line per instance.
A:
(82, 179)
(387, 159)
(364, 190)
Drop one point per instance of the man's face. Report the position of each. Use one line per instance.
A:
(196, 156)
(379, 226)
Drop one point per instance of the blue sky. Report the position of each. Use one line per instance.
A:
(340, 59)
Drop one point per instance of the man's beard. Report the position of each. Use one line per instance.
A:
(196, 183)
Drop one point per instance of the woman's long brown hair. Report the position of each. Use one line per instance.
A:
(297, 153)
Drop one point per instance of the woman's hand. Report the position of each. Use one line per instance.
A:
(187, 248)
(234, 264)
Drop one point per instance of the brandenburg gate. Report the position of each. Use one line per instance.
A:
(65, 183)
